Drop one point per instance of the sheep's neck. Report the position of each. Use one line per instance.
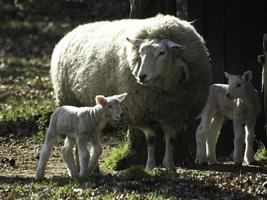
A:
(98, 115)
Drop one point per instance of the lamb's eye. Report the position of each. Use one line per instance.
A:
(161, 53)
(110, 106)
(238, 85)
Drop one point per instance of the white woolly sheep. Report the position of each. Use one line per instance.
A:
(237, 101)
(164, 68)
(79, 125)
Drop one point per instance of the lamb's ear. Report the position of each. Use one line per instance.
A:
(247, 76)
(100, 100)
(172, 44)
(227, 75)
(121, 97)
(136, 42)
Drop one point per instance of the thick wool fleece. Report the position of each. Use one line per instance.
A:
(96, 59)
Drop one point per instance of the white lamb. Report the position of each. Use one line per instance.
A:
(237, 101)
(80, 125)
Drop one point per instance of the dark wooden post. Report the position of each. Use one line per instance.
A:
(263, 60)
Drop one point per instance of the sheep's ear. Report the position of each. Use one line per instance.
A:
(227, 75)
(121, 97)
(136, 42)
(100, 100)
(247, 76)
(172, 44)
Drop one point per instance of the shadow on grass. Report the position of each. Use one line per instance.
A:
(230, 167)
(138, 181)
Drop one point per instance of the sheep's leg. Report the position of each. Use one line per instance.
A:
(47, 147)
(84, 156)
(201, 137)
(96, 151)
(239, 142)
(150, 141)
(212, 138)
(169, 134)
(69, 158)
(249, 151)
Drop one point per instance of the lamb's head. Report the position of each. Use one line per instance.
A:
(238, 85)
(112, 105)
(156, 57)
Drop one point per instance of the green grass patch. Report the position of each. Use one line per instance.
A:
(110, 161)
(261, 154)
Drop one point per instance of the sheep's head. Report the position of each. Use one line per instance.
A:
(238, 84)
(112, 105)
(156, 57)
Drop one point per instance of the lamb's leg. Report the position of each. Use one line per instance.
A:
(201, 137)
(96, 151)
(47, 147)
(169, 134)
(84, 156)
(150, 141)
(239, 142)
(69, 158)
(212, 138)
(249, 151)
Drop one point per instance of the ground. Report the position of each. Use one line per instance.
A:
(28, 35)
(222, 181)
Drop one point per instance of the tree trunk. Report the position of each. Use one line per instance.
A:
(137, 154)
(148, 8)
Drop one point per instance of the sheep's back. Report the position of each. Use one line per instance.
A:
(96, 59)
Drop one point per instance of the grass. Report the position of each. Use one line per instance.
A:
(261, 154)
(114, 156)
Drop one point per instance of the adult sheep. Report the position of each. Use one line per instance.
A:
(163, 67)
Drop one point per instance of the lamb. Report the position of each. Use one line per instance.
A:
(163, 66)
(80, 125)
(237, 101)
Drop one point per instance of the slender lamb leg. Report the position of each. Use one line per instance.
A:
(213, 137)
(69, 158)
(249, 151)
(83, 154)
(239, 142)
(96, 151)
(169, 134)
(150, 141)
(201, 138)
(47, 147)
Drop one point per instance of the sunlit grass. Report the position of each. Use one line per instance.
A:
(111, 159)
(261, 154)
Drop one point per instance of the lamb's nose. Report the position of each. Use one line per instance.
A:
(142, 77)
(227, 95)
(122, 115)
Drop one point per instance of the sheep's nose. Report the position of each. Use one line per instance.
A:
(227, 95)
(142, 77)
(122, 115)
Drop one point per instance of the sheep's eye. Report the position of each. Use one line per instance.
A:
(161, 53)
(109, 106)
(238, 85)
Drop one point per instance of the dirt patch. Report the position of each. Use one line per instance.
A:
(223, 181)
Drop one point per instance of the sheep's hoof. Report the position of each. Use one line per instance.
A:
(254, 162)
(150, 165)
